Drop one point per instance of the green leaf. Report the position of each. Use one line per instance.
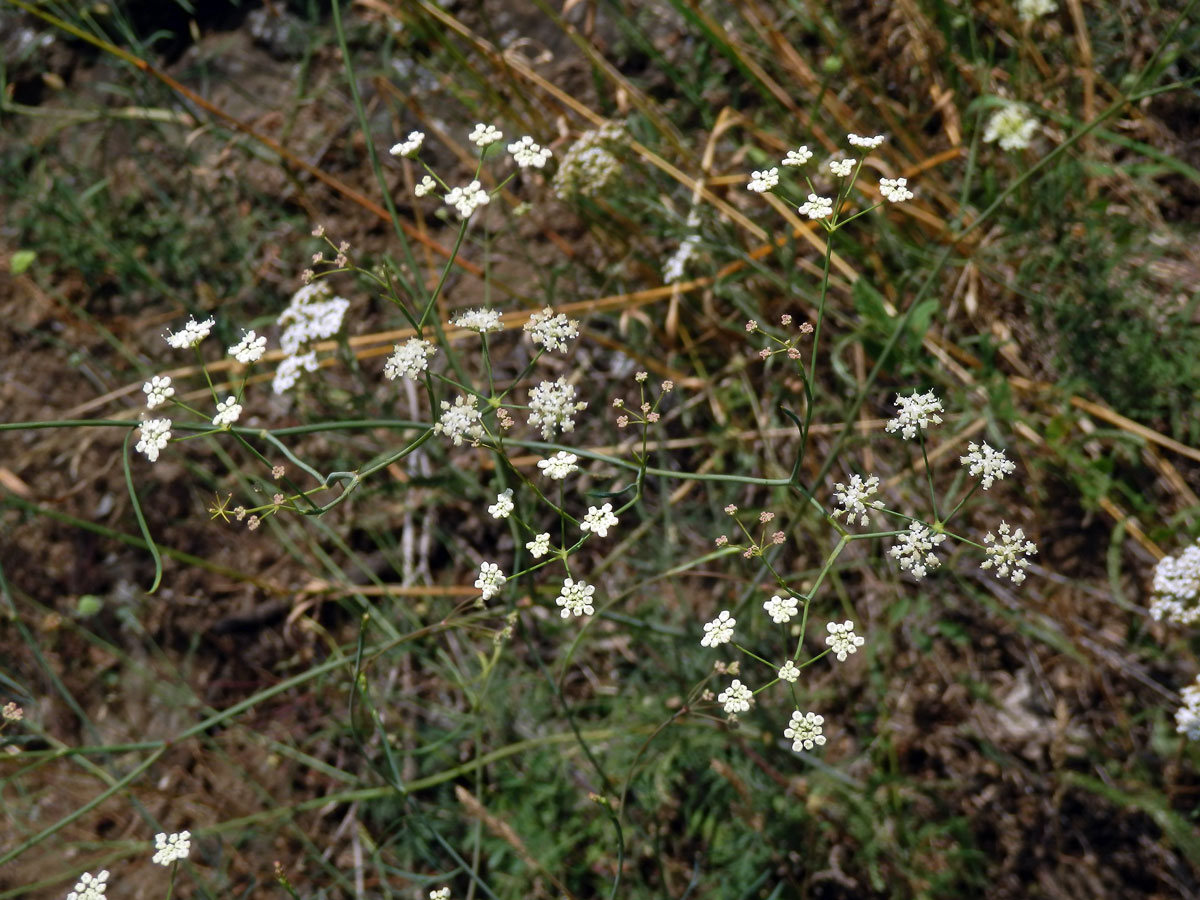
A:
(20, 261)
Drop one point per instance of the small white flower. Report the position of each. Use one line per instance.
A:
(788, 672)
(676, 265)
(462, 420)
(158, 389)
(598, 521)
(539, 546)
(90, 887)
(916, 412)
(425, 186)
(171, 847)
(503, 506)
(483, 135)
(1012, 126)
(550, 330)
(576, 598)
(467, 199)
(288, 371)
(989, 463)
(797, 157)
(481, 320)
(914, 549)
(409, 146)
(895, 190)
(805, 730)
(409, 359)
(760, 182)
(719, 630)
(155, 434)
(526, 153)
(854, 499)
(559, 466)
(842, 639)
(1008, 555)
(191, 334)
(490, 580)
(249, 349)
(817, 207)
(737, 698)
(1177, 587)
(842, 167)
(1031, 10)
(1187, 717)
(868, 143)
(781, 609)
(552, 406)
(313, 314)
(228, 411)
(442, 893)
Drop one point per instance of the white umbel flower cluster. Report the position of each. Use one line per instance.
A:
(410, 145)
(761, 182)
(1011, 126)
(551, 330)
(781, 609)
(158, 389)
(590, 164)
(481, 320)
(442, 893)
(842, 167)
(576, 598)
(797, 157)
(895, 190)
(914, 549)
(559, 466)
(816, 207)
(737, 698)
(409, 359)
(676, 265)
(468, 198)
(312, 315)
(598, 520)
(1031, 10)
(867, 143)
(1177, 587)
(1008, 554)
(228, 412)
(191, 334)
(917, 411)
(552, 407)
(788, 672)
(90, 887)
(482, 135)
(526, 153)
(539, 546)
(425, 186)
(155, 434)
(987, 464)
(289, 369)
(170, 847)
(249, 349)
(855, 499)
(805, 730)
(503, 506)
(462, 420)
(490, 580)
(842, 639)
(1187, 717)
(719, 630)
